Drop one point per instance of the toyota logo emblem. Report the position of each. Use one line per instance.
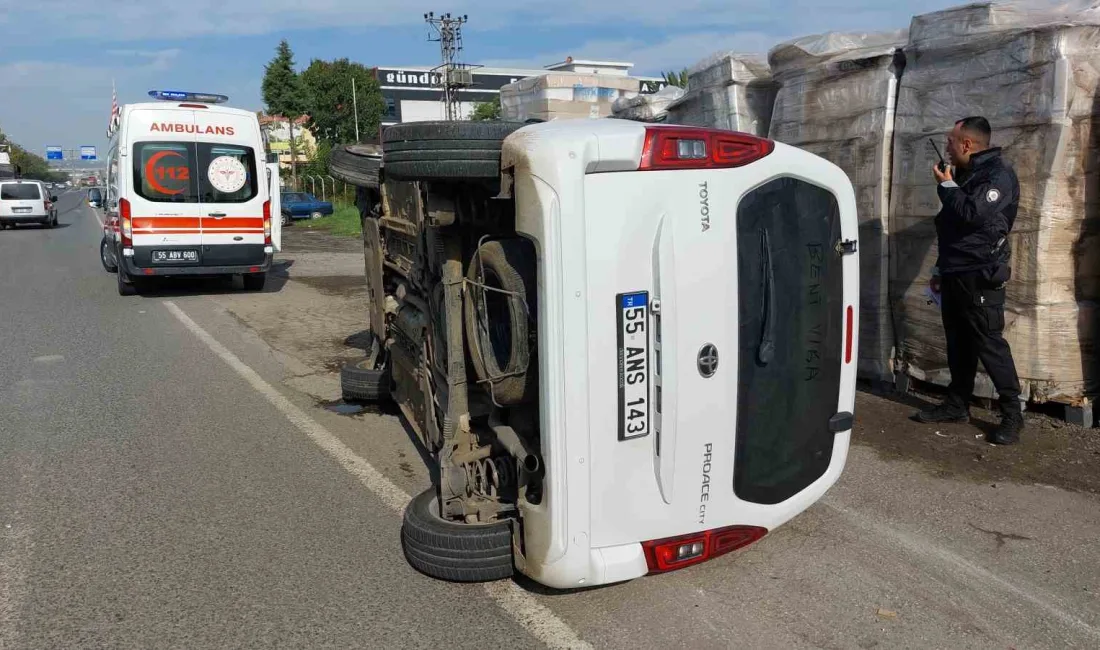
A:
(708, 360)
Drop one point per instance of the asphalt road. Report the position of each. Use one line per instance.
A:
(161, 486)
(150, 498)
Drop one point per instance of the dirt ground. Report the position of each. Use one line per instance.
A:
(319, 314)
(1051, 452)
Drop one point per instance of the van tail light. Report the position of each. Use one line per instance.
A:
(848, 334)
(694, 148)
(267, 223)
(678, 552)
(126, 227)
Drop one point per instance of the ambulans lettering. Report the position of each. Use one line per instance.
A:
(704, 495)
(704, 206)
(198, 129)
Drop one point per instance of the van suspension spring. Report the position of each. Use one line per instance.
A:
(487, 477)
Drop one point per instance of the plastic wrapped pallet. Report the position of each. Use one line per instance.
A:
(836, 98)
(647, 108)
(727, 91)
(1035, 73)
(565, 95)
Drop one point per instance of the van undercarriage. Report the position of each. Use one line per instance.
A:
(452, 302)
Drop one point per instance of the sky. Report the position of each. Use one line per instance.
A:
(58, 57)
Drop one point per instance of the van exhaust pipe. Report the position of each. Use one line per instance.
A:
(519, 448)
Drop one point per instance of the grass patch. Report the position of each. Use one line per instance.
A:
(343, 222)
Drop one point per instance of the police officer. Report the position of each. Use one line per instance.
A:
(980, 196)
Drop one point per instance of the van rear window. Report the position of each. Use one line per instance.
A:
(180, 172)
(165, 172)
(19, 192)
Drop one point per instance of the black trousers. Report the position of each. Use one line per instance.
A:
(974, 321)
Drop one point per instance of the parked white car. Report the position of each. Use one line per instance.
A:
(26, 202)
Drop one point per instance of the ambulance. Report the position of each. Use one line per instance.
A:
(189, 193)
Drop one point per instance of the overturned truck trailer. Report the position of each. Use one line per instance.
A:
(1035, 74)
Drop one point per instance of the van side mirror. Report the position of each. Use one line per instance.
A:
(53, 199)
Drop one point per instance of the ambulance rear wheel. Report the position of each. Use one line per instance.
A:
(105, 257)
(126, 286)
(454, 551)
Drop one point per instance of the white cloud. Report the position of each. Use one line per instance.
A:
(169, 20)
(49, 102)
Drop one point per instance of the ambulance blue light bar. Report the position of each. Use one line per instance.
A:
(181, 96)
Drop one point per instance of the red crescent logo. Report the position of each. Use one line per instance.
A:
(150, 177)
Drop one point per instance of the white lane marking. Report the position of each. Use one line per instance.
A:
(927, 549)
(534, 617)
(49, 358)
(95, 213)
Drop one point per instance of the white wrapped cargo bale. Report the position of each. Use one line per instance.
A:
(1034, 72)
(647, 108)
(836, 99)
(727, 91)
(565, 95)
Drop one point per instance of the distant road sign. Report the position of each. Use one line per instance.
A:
(87, 153)
(54, 153)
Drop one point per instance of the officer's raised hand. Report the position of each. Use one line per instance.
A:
(943, 176)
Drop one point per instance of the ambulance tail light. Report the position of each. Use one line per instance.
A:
(694, 148)
(663, 555)
(126, 226)
(267, 223)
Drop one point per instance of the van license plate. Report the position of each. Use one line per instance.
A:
(175, 256)
(633, 321)
(20, 210)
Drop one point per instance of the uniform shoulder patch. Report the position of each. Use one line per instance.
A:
(992, 195)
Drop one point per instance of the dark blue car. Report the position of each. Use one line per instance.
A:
(303, 205)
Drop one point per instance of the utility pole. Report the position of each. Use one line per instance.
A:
(355, 108)
(447, 31)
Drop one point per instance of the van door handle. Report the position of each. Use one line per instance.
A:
(216, 215)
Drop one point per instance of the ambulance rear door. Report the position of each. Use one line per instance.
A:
(164, 203)
(232, 185)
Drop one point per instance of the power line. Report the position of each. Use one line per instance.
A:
(454, 75)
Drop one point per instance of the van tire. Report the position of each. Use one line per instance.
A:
(356, 164)
(254, 281)
(105, 257)
(441, 151)
(363, 383)
(508, 266)
(453, 551)
(126, 285)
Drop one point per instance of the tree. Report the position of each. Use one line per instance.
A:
(485, 111)
(331, 107)
(284, 94)
(30, 165)
(678, 79)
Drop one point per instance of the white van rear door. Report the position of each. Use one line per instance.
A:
(744, 369)
(232, 179)
(164, 195)
(276, 210)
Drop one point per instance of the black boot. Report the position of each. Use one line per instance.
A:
(1008, 432)
(953, 409)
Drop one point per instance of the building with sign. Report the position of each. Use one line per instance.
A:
(414, 94)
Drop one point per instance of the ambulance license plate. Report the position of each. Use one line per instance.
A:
(163, 257)
(633, 323)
